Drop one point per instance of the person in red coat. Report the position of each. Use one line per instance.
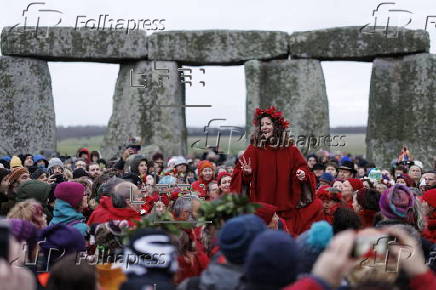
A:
(429, 204)
(206, 173)
(273, 170)
(331, 200)
(267, 212)
(118, 206)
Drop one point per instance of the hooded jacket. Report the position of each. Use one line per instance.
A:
(86, 151)
(37, 190)
(217, 277)
(65, 214)
(105, 212)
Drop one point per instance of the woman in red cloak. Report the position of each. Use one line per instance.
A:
(272, 170)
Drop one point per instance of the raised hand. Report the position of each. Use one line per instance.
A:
(246, 167)
(301, 174)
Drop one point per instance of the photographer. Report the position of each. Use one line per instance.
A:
(56, 171)
(335, 263)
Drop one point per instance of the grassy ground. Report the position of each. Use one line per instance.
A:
(354, 143)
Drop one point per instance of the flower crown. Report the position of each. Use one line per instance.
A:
(273, 113)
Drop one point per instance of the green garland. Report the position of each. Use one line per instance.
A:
(225, 208)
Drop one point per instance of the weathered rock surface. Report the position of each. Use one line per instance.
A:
(402, 109)
(217, 46)
(27, 118)
(295, 87)
(70, 44)
(138, 110)
(352, 43)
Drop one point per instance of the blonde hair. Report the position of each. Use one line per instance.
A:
(68, 173)
(29, 210)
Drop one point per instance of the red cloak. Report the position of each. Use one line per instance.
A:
(105, 212)
(273, 180)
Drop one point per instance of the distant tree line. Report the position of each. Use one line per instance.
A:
(91, 131)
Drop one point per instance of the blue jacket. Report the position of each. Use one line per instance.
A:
(65, 214)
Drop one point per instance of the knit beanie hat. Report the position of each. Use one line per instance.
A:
(55, 162)
(327, 178)
(3, 173)
(272, 260)
(355, 183)
(312, 243)
(430, 197)
(178, 160)
(71, 192)
(22, 230)
(38, 172)
(79, 172)
(16, 173)
(266, 211)
(204, 164)
(15, 162)
(236, 236)
(326, 193)
(33, 189)
(60, 240)
(397, 202)
(221, 175)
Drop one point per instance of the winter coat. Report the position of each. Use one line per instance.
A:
(65, 214)
(217, 277)
(201, 186)
(430, 231)
(151, 280)
(105, 212)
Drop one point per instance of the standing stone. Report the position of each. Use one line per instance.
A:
(217, 46)
(74, 44)
(141, 90)
(295, 87)
(355, 43)
(27, 118)
(402, 109)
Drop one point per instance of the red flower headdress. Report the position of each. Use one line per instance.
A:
(273, 113)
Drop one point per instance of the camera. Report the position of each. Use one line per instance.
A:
(372, 243)
(59, 178)
(135, 148)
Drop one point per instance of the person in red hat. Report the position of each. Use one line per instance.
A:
(268, 213)
(206, 172)
(429, 205)
(349, 187)
(273, 170)
(224, 180)
(331, 200)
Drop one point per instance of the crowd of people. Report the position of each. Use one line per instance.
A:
(137, 222)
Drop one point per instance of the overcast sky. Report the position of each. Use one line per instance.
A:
(83, 91)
